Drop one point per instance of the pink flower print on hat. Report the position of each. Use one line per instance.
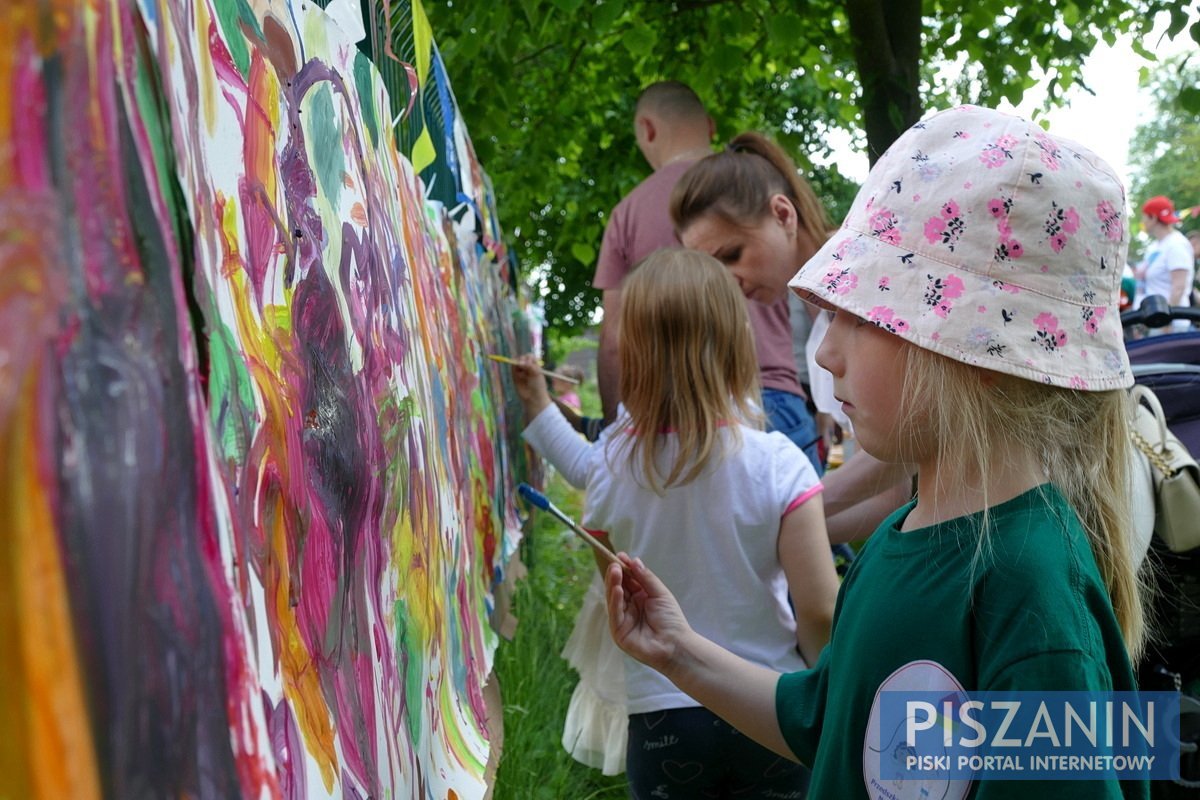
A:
(840, 281)
(1009, 248)
(1030, 290)
(939, 292)
(886, 318)
(1048, 335)
(994, 155)
(1050, 151)
(947, 227)
(999, 207)
(1060, 225)
(883, 226)
(1110, 221)
(848, 248)
(1092, 317)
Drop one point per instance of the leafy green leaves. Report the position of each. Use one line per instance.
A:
(547, 89)
(1163, 150)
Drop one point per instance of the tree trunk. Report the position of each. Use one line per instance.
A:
(886, 37)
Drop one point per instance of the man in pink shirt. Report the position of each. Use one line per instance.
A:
(673, 131)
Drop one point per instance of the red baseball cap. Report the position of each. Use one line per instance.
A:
(1161, 208)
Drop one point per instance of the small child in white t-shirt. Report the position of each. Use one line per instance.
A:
(729, 516)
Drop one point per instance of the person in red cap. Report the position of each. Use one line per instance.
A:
(1168, 266)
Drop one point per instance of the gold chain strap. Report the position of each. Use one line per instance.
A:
(1154, 455)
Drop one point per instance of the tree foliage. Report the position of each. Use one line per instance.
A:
(547, 88)
(1165, 151)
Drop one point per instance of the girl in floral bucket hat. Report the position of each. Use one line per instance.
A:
(974, 286)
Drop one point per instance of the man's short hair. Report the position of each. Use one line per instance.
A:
(673, 101)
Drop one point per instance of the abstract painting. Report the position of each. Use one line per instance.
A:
(257, 481)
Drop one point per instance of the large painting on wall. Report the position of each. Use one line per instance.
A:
(256, 484)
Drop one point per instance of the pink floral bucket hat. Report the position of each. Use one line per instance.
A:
(981, 237)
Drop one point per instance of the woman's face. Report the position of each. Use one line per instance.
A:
(763, 257)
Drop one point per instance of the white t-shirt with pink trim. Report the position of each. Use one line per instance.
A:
(714, 541)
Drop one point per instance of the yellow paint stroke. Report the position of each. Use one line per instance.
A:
(259, 340)
(301, 679)
(48, 751)
(422, 40)
(205, 72)
(423, 151)
(231, 258)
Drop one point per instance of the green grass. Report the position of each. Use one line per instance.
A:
(535, 681)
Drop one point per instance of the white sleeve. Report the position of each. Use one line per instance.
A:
(1178, 254)
(555, 440)
(796, 481)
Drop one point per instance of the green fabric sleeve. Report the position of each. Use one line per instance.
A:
(1061, 670)
(800, 707)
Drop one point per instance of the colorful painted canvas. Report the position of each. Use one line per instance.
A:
(256, 484)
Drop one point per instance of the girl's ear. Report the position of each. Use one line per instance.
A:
(783, 212)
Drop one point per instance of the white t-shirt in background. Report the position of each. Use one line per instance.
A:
(1172, 253)
(712, 541)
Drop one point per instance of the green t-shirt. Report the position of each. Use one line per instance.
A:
(1032, 614)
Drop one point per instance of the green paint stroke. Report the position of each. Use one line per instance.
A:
(326, 148)
(408, 649)
(231, 395)
(394, 420)
(230, 13)
(364, 72)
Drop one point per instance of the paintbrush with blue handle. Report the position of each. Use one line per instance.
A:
(536, 498)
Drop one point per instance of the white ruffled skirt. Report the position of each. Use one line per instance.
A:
(597, 724)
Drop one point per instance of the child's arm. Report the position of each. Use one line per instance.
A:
(812, 580)
(647, 623)
(861, 477)
(547, 430)
(859, 521)
(531, 386)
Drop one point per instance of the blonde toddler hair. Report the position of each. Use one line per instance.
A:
(688, 363)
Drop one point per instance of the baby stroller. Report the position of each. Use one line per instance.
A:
(1169, 365)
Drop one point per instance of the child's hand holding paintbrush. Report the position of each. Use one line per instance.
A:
(531, 385)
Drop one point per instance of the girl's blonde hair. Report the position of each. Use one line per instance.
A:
(1081, 440)
(736, 185)
(688, 363)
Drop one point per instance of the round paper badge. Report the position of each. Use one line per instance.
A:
(888, 747)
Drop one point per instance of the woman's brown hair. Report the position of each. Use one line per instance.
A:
(737, 184)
